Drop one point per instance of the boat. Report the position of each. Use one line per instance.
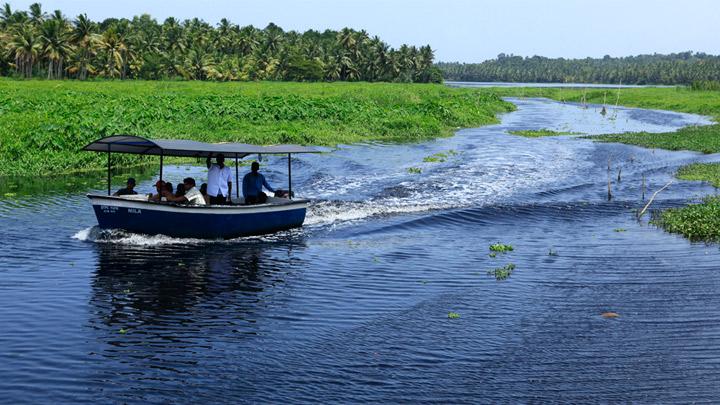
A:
(137, 214)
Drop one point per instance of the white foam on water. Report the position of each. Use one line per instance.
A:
(84, 234)
(96, 235)
(473, 178)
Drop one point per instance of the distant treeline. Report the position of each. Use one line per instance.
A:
(675, 68)
(38, 44)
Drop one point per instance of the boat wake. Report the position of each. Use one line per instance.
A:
(95, 234)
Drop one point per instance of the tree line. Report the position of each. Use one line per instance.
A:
(672, 69)
(37, 44)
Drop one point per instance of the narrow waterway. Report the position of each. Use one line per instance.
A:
(354, 306)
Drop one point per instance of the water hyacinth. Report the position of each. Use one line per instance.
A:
(44, 125)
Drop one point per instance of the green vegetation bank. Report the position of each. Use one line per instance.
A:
(43, 124)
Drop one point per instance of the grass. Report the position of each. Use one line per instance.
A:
(43, 124)
(705, 139)
(709, 172)
(695, 221)
(538, 133)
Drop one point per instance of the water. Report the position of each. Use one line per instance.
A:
(568, 85)
(354, 306)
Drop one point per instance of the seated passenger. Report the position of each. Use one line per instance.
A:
(127, 190)
(253, 183)
(160, 187)
(180, 191)
(203, 191)
(192, 195)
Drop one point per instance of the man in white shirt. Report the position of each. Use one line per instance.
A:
(219, 187)
(192, 194)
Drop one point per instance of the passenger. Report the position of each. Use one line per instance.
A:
(180, 191)
(169, 187)
(129, 190)
(159, 186)
(192, 195)
(253, 183)
(219, 180)
(203, 191)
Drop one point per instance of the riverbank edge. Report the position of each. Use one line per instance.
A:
(696, 221)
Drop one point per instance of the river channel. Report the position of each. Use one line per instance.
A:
(354, 307)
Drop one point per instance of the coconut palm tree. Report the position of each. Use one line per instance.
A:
(5, 15)
(113, 48)
(24, 47)
(37, 16)
(56, 47)
(84, 36)
(194, 49)
(247, 41)
(199, 63)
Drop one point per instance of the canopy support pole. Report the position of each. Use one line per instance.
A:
(289, 177)
(108, 173)
(237, 177)
(161, 164)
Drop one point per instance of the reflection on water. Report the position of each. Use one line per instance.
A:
(135, 287)
(74, 183)
(354, 306)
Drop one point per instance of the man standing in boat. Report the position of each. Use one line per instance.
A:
(253, 183)
(219, 185)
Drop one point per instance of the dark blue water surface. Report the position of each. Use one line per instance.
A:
(354, 306)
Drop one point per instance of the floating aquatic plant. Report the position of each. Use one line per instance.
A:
(501, 248)
(414, 170)
(453, 315)
(435, 158)
(537, 133)
(502, 273)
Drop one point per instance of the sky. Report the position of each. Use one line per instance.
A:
(459, 30)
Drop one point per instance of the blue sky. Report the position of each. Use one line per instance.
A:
(461, 30)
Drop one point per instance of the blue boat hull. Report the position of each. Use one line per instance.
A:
(217, 222)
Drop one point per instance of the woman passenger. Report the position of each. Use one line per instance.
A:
(203, 191)
(180, 191)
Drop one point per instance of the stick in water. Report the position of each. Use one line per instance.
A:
(653, 197)
(643, 187)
